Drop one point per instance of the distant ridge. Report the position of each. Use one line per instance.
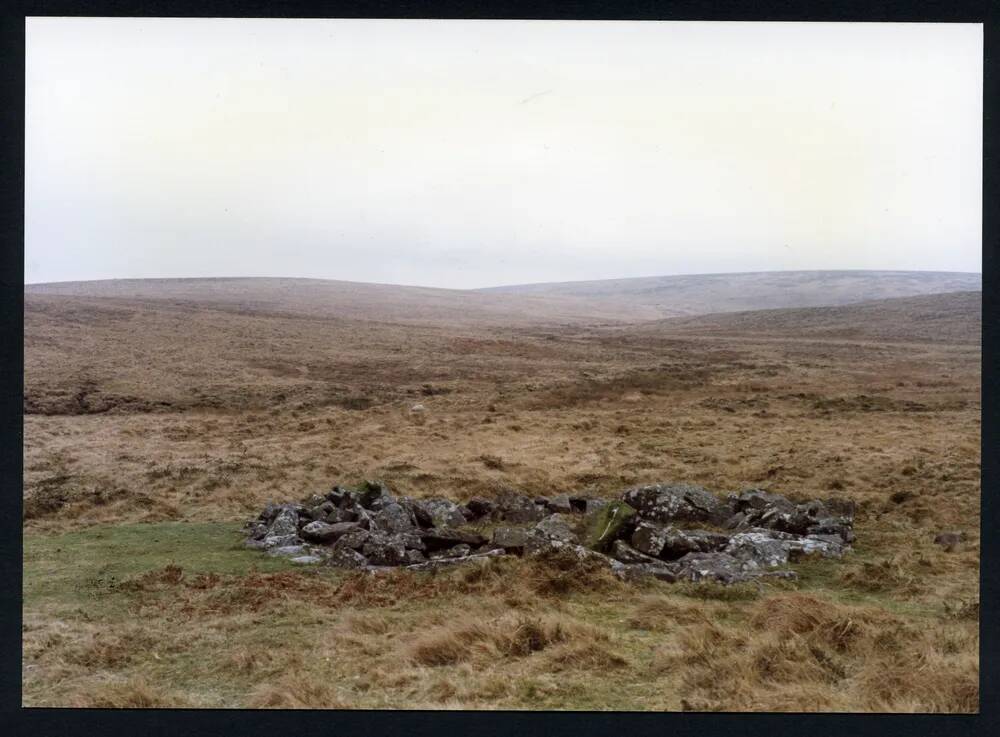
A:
(698, 294)
(952, 317)
(604, 301)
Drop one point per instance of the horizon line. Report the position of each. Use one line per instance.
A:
(498, 286)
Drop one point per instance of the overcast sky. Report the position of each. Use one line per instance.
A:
(477, 153)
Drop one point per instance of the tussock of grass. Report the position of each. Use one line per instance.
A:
(514, 636)
(560, 572)
(886, 575)
(665, 612)
(110, 650)
(803, 652)
(588, 656)
(162, 616)
(296, 692)
(134, 693)
(712, 591)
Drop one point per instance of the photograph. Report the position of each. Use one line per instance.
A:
(501, 365)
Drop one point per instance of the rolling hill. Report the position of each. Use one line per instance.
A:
(953, 317)
(607, 301)
(700, 294)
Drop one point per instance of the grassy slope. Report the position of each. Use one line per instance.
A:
(260, 406)
(699, 294)
(178, 614)
(952, 317)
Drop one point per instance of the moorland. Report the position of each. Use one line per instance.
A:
(161, 414)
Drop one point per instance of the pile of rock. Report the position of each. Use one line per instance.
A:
(671, 532)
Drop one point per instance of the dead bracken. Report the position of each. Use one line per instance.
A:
(671, 532)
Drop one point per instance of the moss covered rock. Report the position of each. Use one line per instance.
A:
(607, 524)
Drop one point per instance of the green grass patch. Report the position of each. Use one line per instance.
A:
(73, 568)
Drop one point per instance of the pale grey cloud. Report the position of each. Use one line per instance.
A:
(472, 153)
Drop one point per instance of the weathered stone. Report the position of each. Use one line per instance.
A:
(412, 540)
(720, 567)
(796, 520)
(383, 532)
(585, 504)
(776, 534)
(621, 550)
(324, 532)
(560, 504)
(556, 526)
(458, 551)
(649, 538)
(341, 515)
(270, 512)
(415, 556)
(446, 562)
(305, 560)
(393, 517)
(517, 508)
(822, 545)
(758, 549)
(538, 545)
(835, 539)
(836, 527)
(301, 512)
(319, 532)
(701, 541)
(287, 550)
(352, 539)
(384, 550)
(442, 512)
(607, 524)
(949, 540)
(757, 499)
(420, 513)
(735, 522)
(361, 516)
(445, 538)
(314, 500)
(280, 541)
(286, 522)
(657, 569)
(322, 510)
(670, 543)
(761, 509)
(480, 507)
(375, 495)
(704, 541)
(762, 548)
(346, 558)
(337, 496)
(681, 502)
(511, 539)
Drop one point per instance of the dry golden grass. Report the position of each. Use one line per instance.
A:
(135, 693)
(148, 412)
(472, 639)
(803, 653)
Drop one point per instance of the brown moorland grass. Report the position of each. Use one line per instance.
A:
(153, 429)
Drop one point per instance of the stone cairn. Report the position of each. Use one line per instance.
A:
(672, 532)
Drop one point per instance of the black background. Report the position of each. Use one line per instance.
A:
(54, 722)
